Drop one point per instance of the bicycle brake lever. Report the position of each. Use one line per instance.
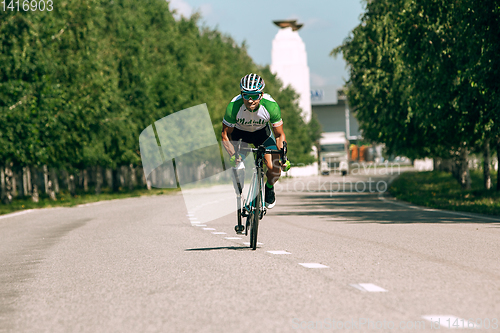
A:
(285, 150)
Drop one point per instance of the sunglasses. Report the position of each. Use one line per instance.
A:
(253, 96)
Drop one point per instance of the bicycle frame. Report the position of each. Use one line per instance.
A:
(256, 189)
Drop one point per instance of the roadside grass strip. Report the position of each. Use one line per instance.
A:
(440, 190)
(448, 321)
(313, 265)
(279, 252)
(440, 210)
(15, 214)
(369, 287)
(90, 204)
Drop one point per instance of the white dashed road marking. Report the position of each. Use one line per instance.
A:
(447, 321)
(248, 243)
(200, 225)
(233, 237)
(279, 252)
(208, 228)
(313, 265)
(219, 233)
(370, 287)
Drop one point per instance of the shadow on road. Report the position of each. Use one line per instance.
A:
(366, 208)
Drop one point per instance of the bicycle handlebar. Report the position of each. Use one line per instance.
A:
(261, 149)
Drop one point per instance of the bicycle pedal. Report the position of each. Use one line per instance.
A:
(239, 229)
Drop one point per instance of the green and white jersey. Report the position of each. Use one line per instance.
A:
(238, 116)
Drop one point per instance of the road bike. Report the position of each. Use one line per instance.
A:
(252, 206)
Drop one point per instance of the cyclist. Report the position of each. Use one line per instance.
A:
(247, 117)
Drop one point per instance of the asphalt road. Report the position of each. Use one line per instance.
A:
(346, 261)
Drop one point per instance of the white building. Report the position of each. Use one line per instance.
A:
(329, 105)
(289, 63)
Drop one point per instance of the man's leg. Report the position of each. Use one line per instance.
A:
(273, 168)
(273, 174)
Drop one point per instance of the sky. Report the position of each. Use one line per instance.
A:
(326, 24)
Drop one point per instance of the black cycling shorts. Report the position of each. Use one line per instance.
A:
(261, 137)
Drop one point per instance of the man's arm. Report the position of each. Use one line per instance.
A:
(226, 137)
(279, 134)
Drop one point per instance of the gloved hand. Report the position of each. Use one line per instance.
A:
(235, 159)
(285, 167)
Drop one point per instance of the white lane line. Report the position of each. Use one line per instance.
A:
(279, 252)
(232, 237)
(248, 243)
(200, 225)
(370, 287)
(208, 228)
(195, 223)
(15, 214)
(219, 233)
(313, 265)
(448, 321)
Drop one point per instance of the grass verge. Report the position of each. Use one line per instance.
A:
(440, 190)
(64, 199)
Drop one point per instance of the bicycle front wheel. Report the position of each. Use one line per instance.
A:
(254, 221)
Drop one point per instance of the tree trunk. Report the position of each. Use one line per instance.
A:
(46, 179)
(50, 190)
(85, 176)
(98, 180)
(14, 184)
(8, 183)
(463, 172)
(2, 182)
(55, 179)
(34, 188)
(71, 183)
(132, 182)
(26, 182)
(6, 175)
(49, 184)
(145, 181)
(498, 164)
(123, 176)
(486, 164)
(115, 179)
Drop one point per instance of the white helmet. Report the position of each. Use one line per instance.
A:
(252, 83)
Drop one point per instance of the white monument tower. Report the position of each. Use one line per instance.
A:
(289, 63)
